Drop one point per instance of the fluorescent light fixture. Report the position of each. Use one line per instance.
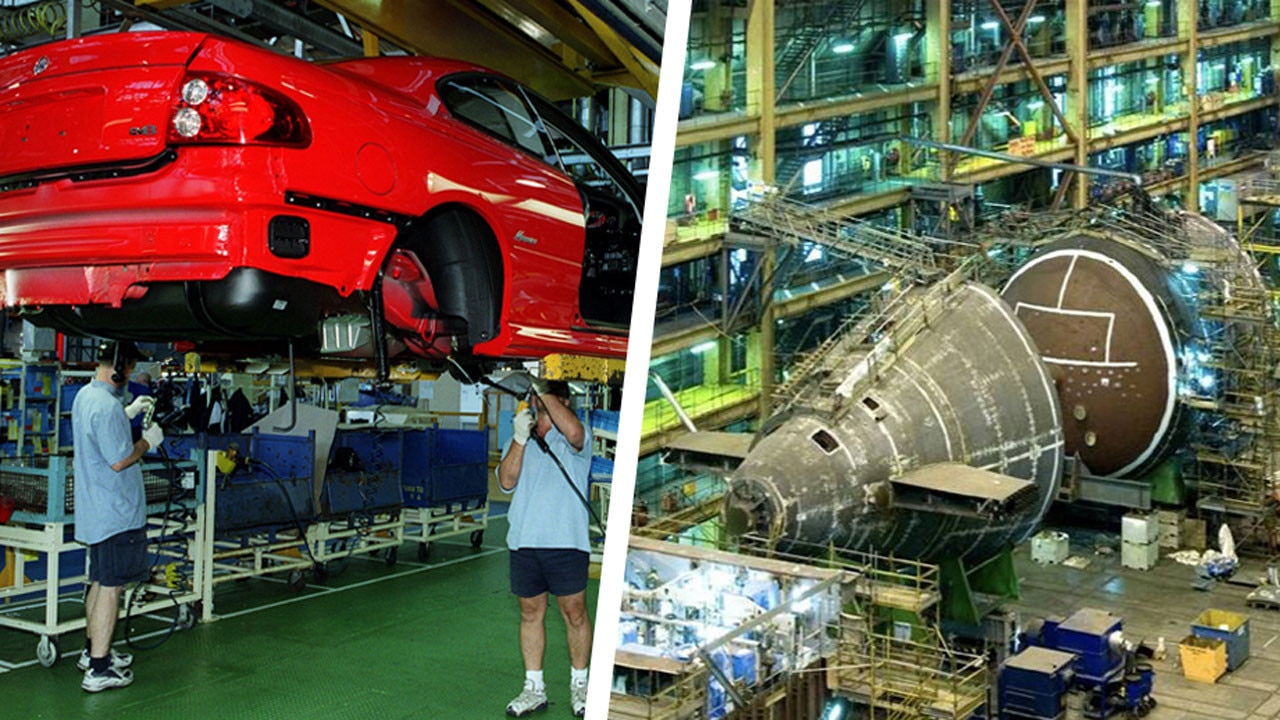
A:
(703, 347)
(990, 25)
(903, 36)
(842, 48)
(1035, 19)
(703, 65)
(1035, 104)
(706, 175)
(1153, 3)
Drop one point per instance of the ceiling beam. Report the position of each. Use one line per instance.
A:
(442, 28)
(559, 22)
(293, 25)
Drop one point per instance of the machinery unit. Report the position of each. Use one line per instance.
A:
(1034, 684)
(703, 632)
(1106, 668)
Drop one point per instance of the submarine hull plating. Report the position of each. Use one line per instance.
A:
(1108, 324)
(967, 388)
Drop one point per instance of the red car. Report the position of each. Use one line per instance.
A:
(184, 187)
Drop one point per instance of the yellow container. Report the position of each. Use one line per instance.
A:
(1203, 659)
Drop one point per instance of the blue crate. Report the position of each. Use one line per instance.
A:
(277, 491)
(68, 395)
(606, 420)
(601, 469)
(372, 480)
(1229, 627)
(445, 466)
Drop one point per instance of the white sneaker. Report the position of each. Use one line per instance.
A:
(119, 661)
(578, 697)
(97, 682)
(530, 700)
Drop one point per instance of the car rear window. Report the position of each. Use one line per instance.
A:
(493, 108)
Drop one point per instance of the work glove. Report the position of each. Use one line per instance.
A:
(140, 404)
(522, 425)
(540, 386)
(153, 435)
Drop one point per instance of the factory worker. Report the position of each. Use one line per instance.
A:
(548, 541)
(110, 506)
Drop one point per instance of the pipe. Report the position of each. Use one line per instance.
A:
(293, 396)
(379, 331)
(675, 404)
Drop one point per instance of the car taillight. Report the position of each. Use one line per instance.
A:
(230, 110)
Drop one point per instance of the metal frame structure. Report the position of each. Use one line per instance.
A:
(47, 533)
(889, 654)
(425, 525)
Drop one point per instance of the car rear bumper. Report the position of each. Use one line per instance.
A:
(246, 303)
(107, 241)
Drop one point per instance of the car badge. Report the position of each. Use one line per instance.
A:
(41, 65)
(521, 237)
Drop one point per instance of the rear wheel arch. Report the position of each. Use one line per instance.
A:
(460, 251)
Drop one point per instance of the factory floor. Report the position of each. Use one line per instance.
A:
(1161, 602)
(417, 640)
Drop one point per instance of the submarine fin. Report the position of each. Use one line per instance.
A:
(719, 452)
(956, 489)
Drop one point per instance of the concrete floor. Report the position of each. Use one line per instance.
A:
(418, 640)
(1162, 603)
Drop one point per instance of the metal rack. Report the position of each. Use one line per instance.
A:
(43, 489)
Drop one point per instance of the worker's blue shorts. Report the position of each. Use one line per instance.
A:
(559, 571)
(120, 559)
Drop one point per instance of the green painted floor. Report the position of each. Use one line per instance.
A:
(433, 640)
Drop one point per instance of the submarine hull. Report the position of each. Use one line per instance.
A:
(968, 389)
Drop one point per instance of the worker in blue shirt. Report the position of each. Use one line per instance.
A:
(548, 542)
(110, 506)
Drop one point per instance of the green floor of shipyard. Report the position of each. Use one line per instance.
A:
(436, 639)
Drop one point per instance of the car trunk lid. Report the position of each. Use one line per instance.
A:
(91, 101)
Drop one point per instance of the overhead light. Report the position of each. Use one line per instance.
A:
(1153, 3)
(706, 175)
(703, 65)
(703, 347)
(903, 36)
(1035, 104)
(1035, 19)
(842, 48)
(990, 25)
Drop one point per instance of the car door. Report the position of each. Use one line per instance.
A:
(612, 205)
